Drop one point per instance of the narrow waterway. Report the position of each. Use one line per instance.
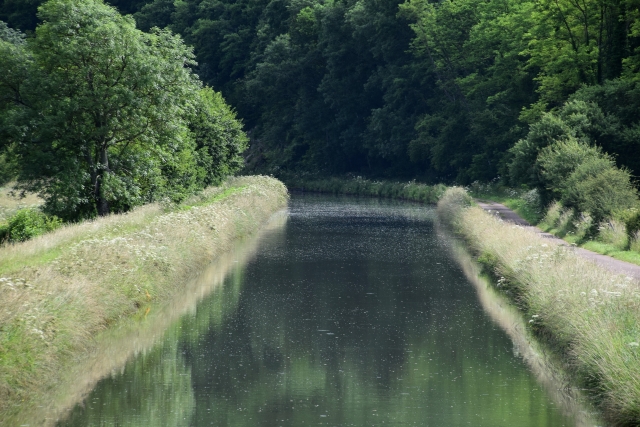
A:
(353, 314)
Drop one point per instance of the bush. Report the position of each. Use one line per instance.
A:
(632, 223)
(26, 224)
(557, 162)
(597, 186)
(523, 168)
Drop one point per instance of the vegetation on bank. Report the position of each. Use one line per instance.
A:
(590, 316)
(358, 186)
(59, 290)
(615, 235)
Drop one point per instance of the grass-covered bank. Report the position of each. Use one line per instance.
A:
(363, 187)
(590, 316)
(59, 290)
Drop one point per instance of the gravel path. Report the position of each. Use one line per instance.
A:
(611, 264)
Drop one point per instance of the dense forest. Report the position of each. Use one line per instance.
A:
(447, 91)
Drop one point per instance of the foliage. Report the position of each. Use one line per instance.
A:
(434, 90)
(219, 139)
(597, 186)
(358, 186)
(102, 117)
(632, 225)
(584, 178)
(26, 224)
(558, 161)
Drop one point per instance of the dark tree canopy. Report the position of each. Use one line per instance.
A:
(437, 90)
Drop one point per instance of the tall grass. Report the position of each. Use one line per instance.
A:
(363, 187)
(589, 315)
(59, 290)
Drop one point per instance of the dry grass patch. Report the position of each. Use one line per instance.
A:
(59, 290)
(591, 316)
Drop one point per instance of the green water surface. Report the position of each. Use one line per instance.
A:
(354, 314)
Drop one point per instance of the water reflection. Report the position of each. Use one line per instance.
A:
(355, 315)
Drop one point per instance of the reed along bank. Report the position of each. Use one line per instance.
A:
(59, 291)
(589, 316)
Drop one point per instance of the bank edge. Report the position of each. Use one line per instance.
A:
(587, 315)
(59, 291)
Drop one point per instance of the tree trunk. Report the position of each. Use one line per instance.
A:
(103, 168)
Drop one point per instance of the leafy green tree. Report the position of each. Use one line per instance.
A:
(99, 110)
(219, 138)
(613, 121)
(572, 43)
(473, 50)
(20, 14)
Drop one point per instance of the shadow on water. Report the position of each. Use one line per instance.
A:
(139, 337)
(357, 313)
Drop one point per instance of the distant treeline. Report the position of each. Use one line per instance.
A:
(434, 90)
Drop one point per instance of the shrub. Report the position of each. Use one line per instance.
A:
(597, 186)
(532, 201)
(558, 162)
(26, 224)
(523, 168)
(632, 223)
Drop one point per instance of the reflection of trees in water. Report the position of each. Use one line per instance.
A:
(386, 330)
(297, 349)
(154, 390)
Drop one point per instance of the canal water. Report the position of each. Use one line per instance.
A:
(355, 313)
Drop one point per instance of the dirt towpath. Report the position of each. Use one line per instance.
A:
(611, 264)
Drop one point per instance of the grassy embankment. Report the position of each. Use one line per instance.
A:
(363, 187)
(610, 239)
(590, 316)
(60, 290)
